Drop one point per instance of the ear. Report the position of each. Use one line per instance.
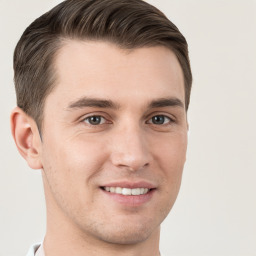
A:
(188, 130)
(26, 137)
(187, 124)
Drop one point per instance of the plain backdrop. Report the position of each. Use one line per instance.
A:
(215, 214)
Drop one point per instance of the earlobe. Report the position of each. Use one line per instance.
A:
(26, 136)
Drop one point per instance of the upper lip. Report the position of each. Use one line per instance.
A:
(129, 184)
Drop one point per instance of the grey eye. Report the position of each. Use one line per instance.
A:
(95, 120)
(160, 119)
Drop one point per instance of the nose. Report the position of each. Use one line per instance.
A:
(130, 149)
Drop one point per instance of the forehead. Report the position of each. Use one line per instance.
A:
(101, 69)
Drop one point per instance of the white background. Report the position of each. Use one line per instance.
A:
(215, 214)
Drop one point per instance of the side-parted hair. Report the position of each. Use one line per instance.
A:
(129, 24)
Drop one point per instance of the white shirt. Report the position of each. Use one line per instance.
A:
(36, 250)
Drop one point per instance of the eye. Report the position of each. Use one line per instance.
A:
(95, 120)
(160, 120)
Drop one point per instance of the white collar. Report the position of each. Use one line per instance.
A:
(40, 251)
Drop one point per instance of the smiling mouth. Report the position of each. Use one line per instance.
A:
(127, 191)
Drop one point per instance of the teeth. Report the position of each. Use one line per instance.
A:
(118, 190)
(136, 191)
(127, 191)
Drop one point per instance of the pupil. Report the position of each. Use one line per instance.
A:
(158, 119)
(95, 119)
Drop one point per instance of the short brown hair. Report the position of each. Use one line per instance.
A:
(127, 23)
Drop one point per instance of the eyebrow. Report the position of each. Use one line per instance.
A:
(166, 102)
(102, 103)
(92, 102)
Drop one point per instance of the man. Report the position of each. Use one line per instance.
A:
(103, 89)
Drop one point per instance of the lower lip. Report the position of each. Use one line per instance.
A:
(131, 201)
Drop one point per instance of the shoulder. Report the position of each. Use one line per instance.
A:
(33, 249)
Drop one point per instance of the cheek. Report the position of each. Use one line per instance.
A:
(171, 153)
(71, 162)
(70, 167)
(171, 159)
(85, 155)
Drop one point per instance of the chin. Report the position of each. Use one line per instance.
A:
(126, 232)
(126, 237)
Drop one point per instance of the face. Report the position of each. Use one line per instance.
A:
(114, 140)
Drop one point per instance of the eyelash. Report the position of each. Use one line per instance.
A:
(167, 120)
(94, 116)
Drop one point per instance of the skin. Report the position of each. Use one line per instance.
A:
(78, 157)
